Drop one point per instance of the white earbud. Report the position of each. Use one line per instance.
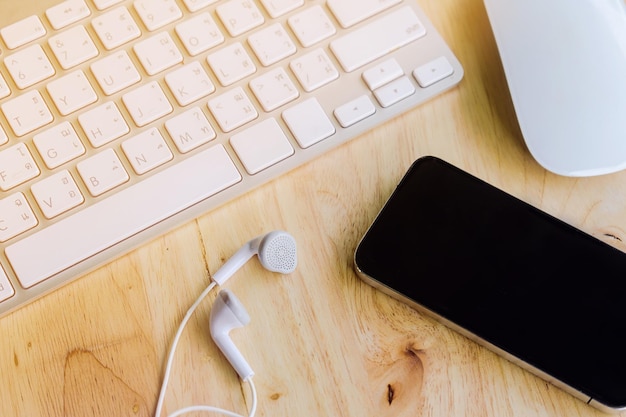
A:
(228, 313)
(276, 251)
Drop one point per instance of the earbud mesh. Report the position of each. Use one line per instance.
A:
(279, 253)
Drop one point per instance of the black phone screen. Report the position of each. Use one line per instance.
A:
(516, 277)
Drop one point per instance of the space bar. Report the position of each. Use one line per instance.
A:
(133, 209)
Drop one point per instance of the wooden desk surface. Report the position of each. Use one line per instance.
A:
(322, 343)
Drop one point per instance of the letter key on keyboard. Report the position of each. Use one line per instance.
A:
(124, 118)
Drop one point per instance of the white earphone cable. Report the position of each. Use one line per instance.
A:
(252, 411)
(209, 408)
(286, 246)
(170, 358)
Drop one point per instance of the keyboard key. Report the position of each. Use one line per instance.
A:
(190, 130)
(195, 5)
(4, 87)
(351, 12)
(66, 13)
(57, 194)
(102, 172)
(393, 92)
(239, 16)
(72, 47)
(146, 151)
(6, 290)
(157, 53)
(433, 71)
(16, 166)
(261, 145)
(232, 109)
(58, 145)
(308, 123)
(115, 72)
(231, 64)
(3, 136)
(22, 32)
(314, 70)
(382, 73)
(26, 112)
(105, 4)
(71, 92)
(16, 216)
(354, 111)
(199, 34)
(103, 124)
(29, 66)
(377, 38)
(274, 89)
(311, 26)
(277, 8)
(115, 28)
(157, 13)
(189, 83)
(147, 103)
(99, 226)
(271, 44)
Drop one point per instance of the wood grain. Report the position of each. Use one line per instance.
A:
(321, 342)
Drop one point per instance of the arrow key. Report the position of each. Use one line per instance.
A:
(433, 71)
(382, 73)
(395, 91)
(354, 111)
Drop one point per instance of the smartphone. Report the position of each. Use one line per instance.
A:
(538, 291)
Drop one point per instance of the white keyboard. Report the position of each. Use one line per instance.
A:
(122, 119)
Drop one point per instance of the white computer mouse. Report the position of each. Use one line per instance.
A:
(565, 64)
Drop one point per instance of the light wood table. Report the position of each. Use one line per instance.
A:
(321, 342)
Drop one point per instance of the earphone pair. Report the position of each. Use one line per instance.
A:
(277, 252)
